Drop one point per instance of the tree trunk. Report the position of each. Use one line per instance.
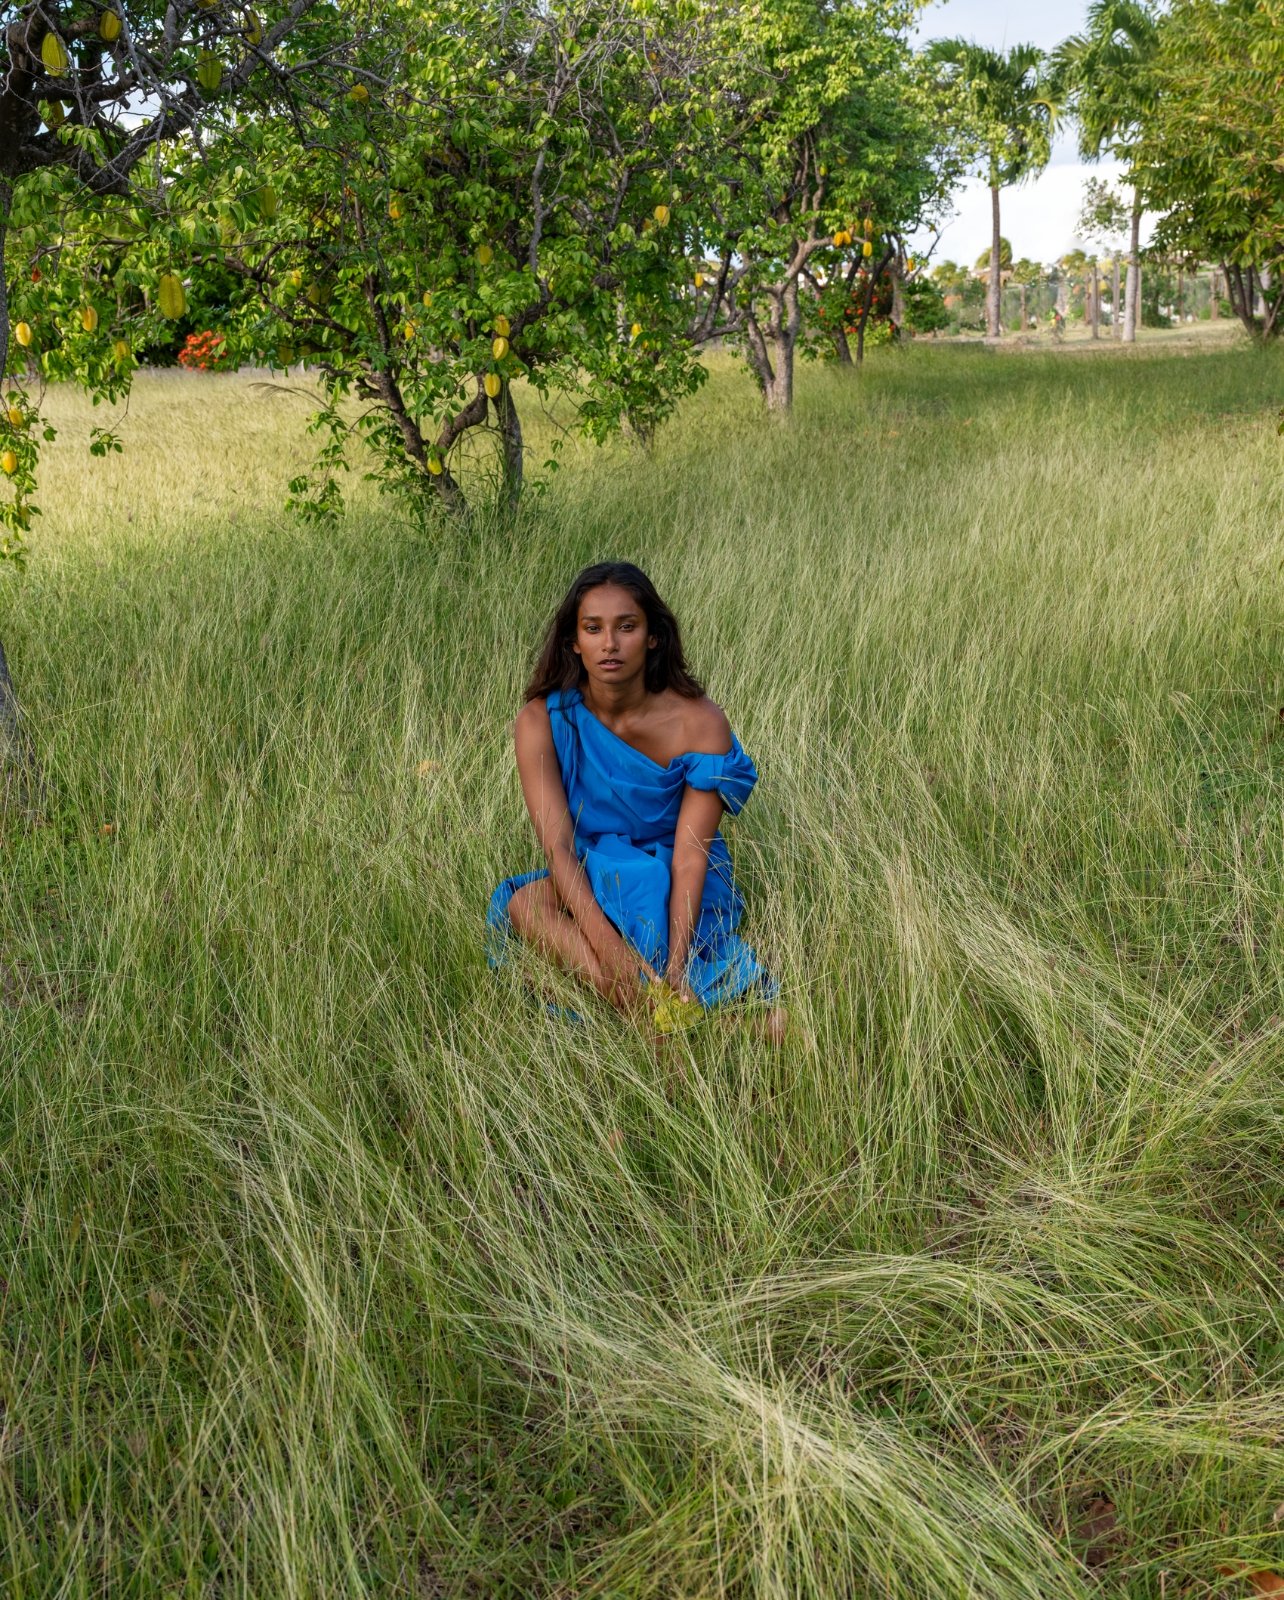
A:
(6, 196)
(871, 283)
(443, 485)
(19, 774)
(841, 332)
(1181, 296)
(1094, 300)
(1272, 300)
(780, 392)
(775, 378)
(470, 415)
(995, 301)
(780, 397)
(898, 296)
(1234, 293)
(1214, 310)
(758, 356)
(1258, 313)
(784, 327)
(10, 732)
(1132, 306)
(510, 428)
(1263, 312)
(1116, 305)
(1025, 321)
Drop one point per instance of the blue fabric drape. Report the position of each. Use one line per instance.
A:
(624, 807)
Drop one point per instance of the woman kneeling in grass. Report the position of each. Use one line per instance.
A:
(626, 767)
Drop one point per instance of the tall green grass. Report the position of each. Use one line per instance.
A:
(333, 1266)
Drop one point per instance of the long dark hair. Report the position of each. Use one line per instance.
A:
(559, 667)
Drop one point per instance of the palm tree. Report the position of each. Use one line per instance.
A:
(1105, 73)
(1005, 258)
(1026, 274)
(1075, 264)
(1014, 114)
(982, 267)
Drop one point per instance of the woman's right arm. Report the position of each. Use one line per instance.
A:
(545, 797)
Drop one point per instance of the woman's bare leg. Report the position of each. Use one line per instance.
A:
(775, 1025)
(541, 920)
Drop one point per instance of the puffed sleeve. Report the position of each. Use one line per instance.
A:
(732, 776)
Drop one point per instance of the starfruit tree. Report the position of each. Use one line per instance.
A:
(832, 147)
(102, 103)
(503, 222)
(1208, 152)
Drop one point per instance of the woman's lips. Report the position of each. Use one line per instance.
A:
(607, 666)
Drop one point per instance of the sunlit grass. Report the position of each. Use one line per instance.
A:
(333, 1266)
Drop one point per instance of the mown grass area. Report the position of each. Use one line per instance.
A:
(333, 1266)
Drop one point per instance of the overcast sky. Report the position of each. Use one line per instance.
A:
(1039, 215)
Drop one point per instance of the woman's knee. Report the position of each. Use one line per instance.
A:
(529, 907)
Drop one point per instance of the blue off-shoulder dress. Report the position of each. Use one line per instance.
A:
(624, 807)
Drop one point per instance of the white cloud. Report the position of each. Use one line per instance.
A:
(1039, 217)
(999, 24)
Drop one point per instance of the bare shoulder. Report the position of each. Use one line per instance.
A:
(531, 725)
(706, 730)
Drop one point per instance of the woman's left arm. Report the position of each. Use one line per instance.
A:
(698, 820)
(707, 731)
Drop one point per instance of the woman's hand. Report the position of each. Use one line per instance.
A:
(676, 977)
(622, 971)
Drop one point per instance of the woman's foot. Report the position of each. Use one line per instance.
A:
(772, 1026)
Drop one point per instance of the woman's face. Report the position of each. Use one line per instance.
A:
(611, 636)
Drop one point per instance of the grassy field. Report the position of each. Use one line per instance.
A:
(332, 1266)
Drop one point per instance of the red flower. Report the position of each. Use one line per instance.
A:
(204, 352)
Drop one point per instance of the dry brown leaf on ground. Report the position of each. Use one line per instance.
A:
(1095, 1533)
(1259, 1581)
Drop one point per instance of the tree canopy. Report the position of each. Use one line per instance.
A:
(515, 208)
(101, 108)
(831, 146)
(428, 206)
(1208, 152)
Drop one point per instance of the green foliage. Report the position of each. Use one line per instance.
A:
(1104, 214)
(1005, 258)
(21, 435)
(460, 200)
(1009, 104)
(502, 196)
(924, 306)
(1009, 114)
(88, 226)
(1205, 157)
(1106, 76)
(835, 144)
